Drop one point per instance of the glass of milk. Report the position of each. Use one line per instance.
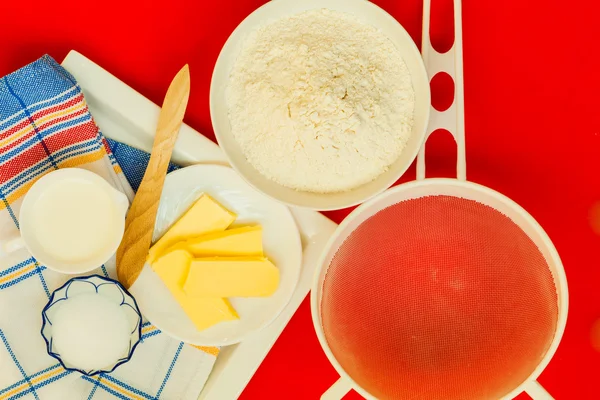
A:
(91, 324)
(71, 220)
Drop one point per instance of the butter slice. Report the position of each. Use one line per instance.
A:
(245, 241)
(205, 216)
(205, 312)
(231, 277)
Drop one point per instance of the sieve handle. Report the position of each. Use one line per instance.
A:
(451, 62)
(537, 391)
(338, 390)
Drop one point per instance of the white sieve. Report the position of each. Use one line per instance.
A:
(440, 288)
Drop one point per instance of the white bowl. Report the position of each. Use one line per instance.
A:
(366, 12)
(27, 221)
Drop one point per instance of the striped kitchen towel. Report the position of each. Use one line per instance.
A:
(44, 125)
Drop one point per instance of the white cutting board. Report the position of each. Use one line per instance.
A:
(125, 115)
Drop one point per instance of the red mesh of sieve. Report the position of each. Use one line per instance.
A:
(439, 298)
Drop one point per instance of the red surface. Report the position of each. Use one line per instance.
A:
(532, 87)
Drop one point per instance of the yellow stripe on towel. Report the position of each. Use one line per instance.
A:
(39, 122)
(25, 386)
(86, 158)
(16, 274)
(208, 350)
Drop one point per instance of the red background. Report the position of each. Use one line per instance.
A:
(532, 91)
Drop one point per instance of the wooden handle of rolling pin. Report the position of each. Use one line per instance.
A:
(139, 224)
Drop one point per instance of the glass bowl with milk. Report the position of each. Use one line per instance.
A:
(71, 220)
(91, 325)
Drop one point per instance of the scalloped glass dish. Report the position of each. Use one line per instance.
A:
(91, 286)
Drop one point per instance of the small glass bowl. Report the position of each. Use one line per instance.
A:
(109, 289)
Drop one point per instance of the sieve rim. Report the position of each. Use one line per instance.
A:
(442, 186)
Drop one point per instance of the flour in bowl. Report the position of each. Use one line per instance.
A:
(320, 101)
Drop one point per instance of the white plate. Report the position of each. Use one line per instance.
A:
(125, 115)
(281, 242)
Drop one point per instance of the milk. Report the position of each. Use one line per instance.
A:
(74, 220)
(90, 332)
(71, 220)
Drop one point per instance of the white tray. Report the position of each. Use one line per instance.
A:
(125, 115)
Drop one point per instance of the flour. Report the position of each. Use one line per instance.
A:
(320, 102)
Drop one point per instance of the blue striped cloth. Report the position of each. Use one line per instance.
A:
(133, 162)
(44, 125)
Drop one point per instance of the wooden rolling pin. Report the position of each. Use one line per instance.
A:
(139, 224)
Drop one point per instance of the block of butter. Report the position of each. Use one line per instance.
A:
(244, 241)
(204, 312)
(205, 216)
(231, 277)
